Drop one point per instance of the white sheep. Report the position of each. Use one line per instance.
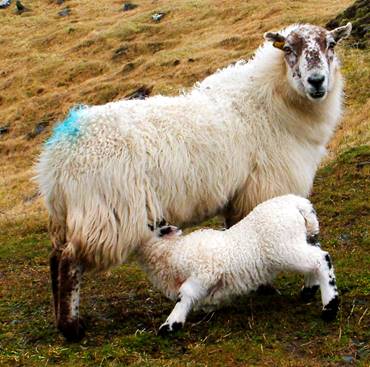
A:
(209, 266)
(247, 133)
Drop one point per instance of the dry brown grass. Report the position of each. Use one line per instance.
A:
(99, 53)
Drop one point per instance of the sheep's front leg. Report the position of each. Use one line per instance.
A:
(190, 292)
(69, 322)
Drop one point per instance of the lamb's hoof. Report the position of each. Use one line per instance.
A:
(329, 312)
(168, 329)
(308, 293)
(73, 330)
(267, 290)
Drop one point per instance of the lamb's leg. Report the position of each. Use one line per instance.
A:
(54, 274)
(318, 269)
(190, 292)
(328, 287)
(69, 322)
(311, 286)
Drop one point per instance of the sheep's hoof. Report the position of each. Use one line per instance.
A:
(329, 312)
(168, 329)
(308, 293)
(267, 290)
(73, 330)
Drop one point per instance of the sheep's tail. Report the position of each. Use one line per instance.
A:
(308, 212)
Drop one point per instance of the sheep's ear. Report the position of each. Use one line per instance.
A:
(341, 32)
(277, 39)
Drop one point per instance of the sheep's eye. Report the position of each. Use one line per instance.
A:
(331, 45)
(288, 50)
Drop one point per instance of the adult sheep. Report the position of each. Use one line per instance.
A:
(249, 132)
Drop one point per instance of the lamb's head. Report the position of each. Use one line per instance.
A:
(309, 56)
(164, 230)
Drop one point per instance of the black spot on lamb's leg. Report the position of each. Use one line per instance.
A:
(54, 274)
(328, 261)
(330, 310)
(313, 240)
(329, 292)
(308, 293)
(164, 330)
(69, 322)
(176, 326)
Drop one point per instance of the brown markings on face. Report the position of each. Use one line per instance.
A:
(316, 46)
(309, 43)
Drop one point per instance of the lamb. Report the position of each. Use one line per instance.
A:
(209, 266)
(247, 133)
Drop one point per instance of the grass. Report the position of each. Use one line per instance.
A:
(124, 312)
(99, 54)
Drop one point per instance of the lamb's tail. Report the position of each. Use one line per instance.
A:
(308, 212)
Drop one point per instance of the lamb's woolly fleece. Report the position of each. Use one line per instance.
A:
(271, 239)
(238, 138)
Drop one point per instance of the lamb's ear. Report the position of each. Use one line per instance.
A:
(277, 39)
(341, 32)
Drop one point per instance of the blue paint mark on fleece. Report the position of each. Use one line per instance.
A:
(69, 128)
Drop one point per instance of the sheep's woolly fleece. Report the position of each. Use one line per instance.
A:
(236, 139)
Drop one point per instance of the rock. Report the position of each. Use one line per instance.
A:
(157, 17)
(38, 129)
(344, 237)
(5, 3)
(20, 8)
(348, 359)
(128, 67)
(141, 93)
(359, 15)
(64, 12)
(129, 6)
(59, 2)
(119, 52)
(4, 129)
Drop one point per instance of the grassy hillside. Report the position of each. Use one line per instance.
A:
(99, 53)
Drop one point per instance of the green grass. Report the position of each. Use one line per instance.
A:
(123, 312)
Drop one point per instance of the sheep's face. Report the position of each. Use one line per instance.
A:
(310, 58)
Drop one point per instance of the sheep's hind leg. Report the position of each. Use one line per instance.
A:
(190, 292)
(69, 322)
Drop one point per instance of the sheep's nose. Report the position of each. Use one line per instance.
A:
(316, 80)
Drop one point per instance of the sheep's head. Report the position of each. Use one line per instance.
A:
(310, 58)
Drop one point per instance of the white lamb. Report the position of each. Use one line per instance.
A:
(208, 266)
(250, 132)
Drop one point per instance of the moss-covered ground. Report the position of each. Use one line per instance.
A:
(124, 312)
